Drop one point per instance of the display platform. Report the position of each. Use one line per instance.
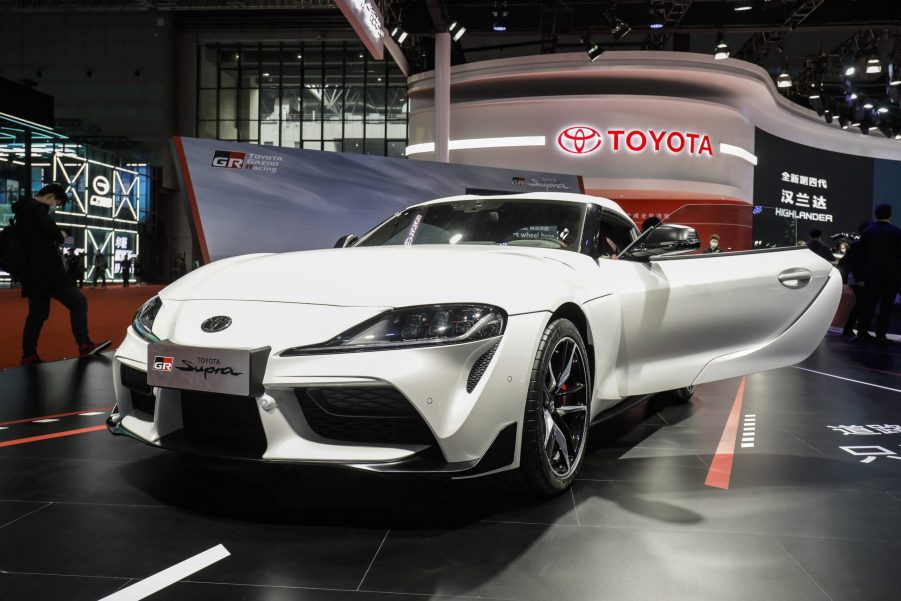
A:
(808, 507)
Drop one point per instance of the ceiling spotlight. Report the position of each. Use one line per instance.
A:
(868, 105)
(853, 96)
(619, 29)
(721, 50)
(850, 70)
(814, 96)
(593, 50)
(784, 80)
(398, 34)
(874, 65)
(499, 16)
(883, 109)
(742, 5)
(898, 136)
(456, 30)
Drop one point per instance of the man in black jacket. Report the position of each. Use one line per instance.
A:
(45, 276)
(881, 257)
(817, 246)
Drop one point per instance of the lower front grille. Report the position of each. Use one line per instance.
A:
(366, 414)
(479, 367)
(222, 424)
(135, 381)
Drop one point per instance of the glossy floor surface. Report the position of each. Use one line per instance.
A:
(812, 510)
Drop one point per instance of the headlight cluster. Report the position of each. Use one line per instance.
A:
(414, 327)
(144, 318)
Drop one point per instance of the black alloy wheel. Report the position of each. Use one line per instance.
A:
(557, 412)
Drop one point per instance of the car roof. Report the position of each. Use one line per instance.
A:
(606, 203)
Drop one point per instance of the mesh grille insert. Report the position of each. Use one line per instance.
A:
(479, 367)
(135, 381)
(366, 414)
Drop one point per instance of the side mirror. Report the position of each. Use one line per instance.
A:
(346, 240)
(665, 239)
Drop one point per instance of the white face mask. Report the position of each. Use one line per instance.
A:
(714, 244)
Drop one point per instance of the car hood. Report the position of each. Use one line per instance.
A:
(517, 279)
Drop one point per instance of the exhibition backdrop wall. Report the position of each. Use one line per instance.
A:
(246, 198)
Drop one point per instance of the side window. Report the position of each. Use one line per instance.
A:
(591, 232)
(615, 233)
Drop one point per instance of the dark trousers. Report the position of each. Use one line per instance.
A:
(857, 309)
(126, 275)
(99, 273)
(39, 311)
(882, 293)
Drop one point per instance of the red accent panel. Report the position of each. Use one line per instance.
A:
(192, 200)
(10, 443)
(721, 467)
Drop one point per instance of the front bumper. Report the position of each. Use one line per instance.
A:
(459, 432)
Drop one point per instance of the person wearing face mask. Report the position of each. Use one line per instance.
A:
(714, 244)
(45, 276)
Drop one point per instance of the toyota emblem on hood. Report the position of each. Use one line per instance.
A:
(216, 324)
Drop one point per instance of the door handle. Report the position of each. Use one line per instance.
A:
(795, 278)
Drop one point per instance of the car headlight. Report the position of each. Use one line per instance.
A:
(414, 327)
(144, 318)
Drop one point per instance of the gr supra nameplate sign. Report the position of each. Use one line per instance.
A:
(222, 371)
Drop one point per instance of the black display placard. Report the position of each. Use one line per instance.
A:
(816, 188)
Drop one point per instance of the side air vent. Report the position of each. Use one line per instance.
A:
(478, 369)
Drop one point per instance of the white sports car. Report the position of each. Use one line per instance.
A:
(463, 336)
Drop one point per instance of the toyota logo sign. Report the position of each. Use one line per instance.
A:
(579, 139)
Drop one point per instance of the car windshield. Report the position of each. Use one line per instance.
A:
(506, 222)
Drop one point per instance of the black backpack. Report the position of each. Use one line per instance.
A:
(13, 258)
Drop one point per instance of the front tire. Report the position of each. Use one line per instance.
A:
(680, 395)
(557, 412)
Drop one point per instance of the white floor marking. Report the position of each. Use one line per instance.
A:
(4, 427)
(746, 445)
(45, 421)
(169, 576)
(845, 379)
(91, 413)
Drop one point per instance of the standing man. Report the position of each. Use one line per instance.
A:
(817, 246)
(45, 276)
(713, 245)
(125, 265)
(881, 256)
(99, 267)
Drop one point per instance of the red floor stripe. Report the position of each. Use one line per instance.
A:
(31, 419)
(721, 467)
(882, 371)
(10, 443)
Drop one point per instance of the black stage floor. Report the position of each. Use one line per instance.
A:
(85, 515)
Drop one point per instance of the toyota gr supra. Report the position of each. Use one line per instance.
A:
(462, 337)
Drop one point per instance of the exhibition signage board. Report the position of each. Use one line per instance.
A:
(817, 189)
(366, 20)
(304, 199)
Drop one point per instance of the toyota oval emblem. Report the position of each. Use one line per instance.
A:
(216, 324)
(579, 139)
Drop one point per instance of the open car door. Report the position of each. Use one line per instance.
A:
(697, 317)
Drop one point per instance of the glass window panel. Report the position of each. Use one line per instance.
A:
(395, 77)
(333, 130)
(312, 130)
(290, 103)
(396, 100)
(228, 130)
(228, 101)
(249, 106)
(250, 67)
(375, 71)
(353, 129)
(269, 62)
(248, 131)
(269, 131)
(312, 144)
(375, 147)
(397, 129)
(353, 103)
(206, 129)
(208, 66)
(332, 146)
(206, 104)
(291, 134)
(333, 103)
(228, 78)
(353, 145)
(270, 108)
(375, 104)
(396, 148)
(375, 130)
